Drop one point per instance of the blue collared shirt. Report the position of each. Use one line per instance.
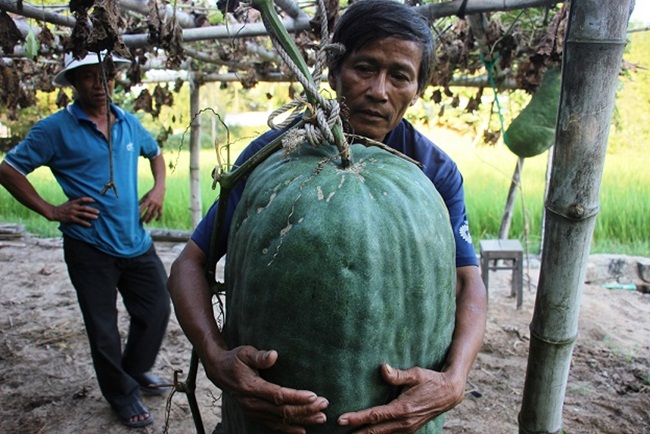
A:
(77, 153)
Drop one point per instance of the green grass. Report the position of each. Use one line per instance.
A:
(177, 198)
(622, 226)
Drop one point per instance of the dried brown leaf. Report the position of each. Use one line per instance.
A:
(9, 33)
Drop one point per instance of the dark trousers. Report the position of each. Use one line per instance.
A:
(142, 282)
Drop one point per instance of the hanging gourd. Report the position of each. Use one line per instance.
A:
(339, 270)
(533, 131)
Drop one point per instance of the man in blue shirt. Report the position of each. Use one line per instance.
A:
(385, 67)
(92, 149)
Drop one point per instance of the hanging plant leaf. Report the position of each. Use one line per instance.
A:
(31, 45)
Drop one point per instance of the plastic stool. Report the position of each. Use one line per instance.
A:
(512, 254)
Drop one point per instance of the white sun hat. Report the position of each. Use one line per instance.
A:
(71, 63)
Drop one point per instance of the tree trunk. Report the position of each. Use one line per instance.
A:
(196, 207)
(506, 219)
(592, 58)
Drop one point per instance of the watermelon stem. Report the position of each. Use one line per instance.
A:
(279, 34)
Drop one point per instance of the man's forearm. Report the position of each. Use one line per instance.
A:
(23, 191)
(159, 171)
(192, 298)
(471, 313)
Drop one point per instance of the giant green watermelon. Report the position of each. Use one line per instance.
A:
(339, 270)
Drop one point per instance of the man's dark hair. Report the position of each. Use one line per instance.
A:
(366, 21)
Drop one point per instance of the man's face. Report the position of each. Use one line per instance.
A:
(88, 83)
(377, 84)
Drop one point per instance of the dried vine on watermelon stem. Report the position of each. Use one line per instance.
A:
(227, 182)
(367, 141)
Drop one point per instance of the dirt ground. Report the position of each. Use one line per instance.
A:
(47, 383)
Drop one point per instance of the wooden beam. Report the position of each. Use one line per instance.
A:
(447, 9)
(231, 31)
(184, 19)
(37, 13)
(196, 208)
(302, 21)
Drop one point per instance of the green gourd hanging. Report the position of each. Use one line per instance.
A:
(533, 131)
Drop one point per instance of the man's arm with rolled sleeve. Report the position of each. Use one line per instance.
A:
(73, 211)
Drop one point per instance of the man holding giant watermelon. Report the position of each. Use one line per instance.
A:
(354, 303)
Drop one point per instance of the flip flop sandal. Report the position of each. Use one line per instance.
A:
(152, 384)
(136, 408)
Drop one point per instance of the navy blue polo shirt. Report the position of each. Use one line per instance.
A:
(438, 167)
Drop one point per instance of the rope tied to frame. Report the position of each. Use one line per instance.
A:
(320, 116)
(110, 185)
(489, 67)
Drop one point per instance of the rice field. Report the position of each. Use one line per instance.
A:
(622, 225)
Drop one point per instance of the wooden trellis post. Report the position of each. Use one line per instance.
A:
(196, 207)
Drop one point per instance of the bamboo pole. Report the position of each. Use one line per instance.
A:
(592, 57)
(196, 207)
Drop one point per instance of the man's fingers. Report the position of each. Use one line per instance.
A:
(84, 199)
(287, 418)
(278, 395)
(307, 413)
(285, 409)
(88, 212)
(150, 211)
(398, 377)
(402, 413)
(78, 207)
(146, 214)
(151, 207)
(74, 211)
(81, 222)
(290, 414)
(258, 359)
